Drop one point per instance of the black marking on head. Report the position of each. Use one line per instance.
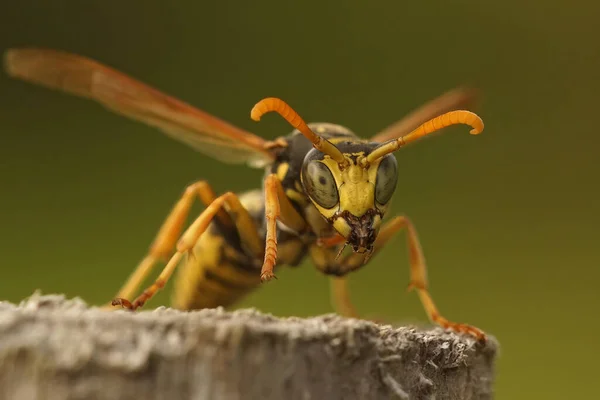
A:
(352, 149)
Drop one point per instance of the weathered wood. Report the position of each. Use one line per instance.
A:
(53, 348)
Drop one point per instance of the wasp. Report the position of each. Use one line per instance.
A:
(324, 189)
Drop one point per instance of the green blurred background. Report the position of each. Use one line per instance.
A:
(508, 219)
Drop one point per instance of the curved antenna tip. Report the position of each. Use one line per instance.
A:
(255, 114)
(8, 62)
(478, 128)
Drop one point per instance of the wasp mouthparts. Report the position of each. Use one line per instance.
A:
(362, 234)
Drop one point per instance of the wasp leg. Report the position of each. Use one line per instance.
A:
(338, 268)
(164, 242)
(243, 222)
(277, 206)
(418, 275)
(340, 297)
(340, 293)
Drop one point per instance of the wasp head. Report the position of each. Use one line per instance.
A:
(352, 196)
(351, 183)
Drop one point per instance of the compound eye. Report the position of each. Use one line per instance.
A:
(320, 184)
(387, 178)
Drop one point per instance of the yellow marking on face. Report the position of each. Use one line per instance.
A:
(376, 223)
(356, 186)
(342, 227)
(356, 189)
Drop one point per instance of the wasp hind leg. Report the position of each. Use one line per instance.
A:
(340, 297)
(164, 242)
(418, 277)
(170, 232)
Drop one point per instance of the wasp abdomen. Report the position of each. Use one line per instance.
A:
(221, 270)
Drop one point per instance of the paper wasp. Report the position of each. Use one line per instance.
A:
(324, 188)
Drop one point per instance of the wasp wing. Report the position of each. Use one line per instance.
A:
(124, 95)
(458, 98)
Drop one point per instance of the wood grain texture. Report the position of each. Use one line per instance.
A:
(54, 348)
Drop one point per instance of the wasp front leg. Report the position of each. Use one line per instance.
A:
(418, 276)
(418, 281)
(277, 207)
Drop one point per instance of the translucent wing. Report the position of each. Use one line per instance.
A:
(126, 96)
(452, 100)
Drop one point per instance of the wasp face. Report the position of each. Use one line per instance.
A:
(353, 198)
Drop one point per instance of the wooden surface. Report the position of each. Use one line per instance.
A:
(53, 348)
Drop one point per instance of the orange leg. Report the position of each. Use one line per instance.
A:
(339, 291)
(164, 243)
(277, 207)
(340, 297)
(274, 209)
(418, 280)
(418, 276)
(272, 213)
(186, 244)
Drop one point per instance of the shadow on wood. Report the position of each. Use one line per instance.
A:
(53, 348)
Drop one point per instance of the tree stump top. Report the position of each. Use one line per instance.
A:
(57, 348)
